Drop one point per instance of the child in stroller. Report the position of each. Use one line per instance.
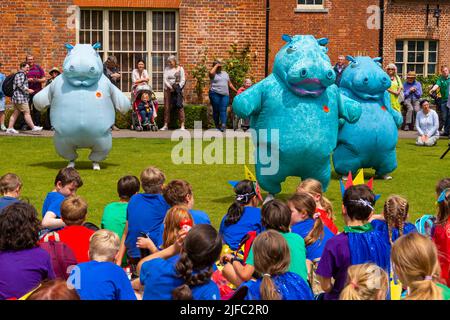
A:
(145, 108)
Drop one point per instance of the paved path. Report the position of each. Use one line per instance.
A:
(168, 134)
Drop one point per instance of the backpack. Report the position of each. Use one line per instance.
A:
(61, 255)
(425, 225)
(8, 85)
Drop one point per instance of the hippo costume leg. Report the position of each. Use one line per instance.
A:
(346, 160)
(65, 148)
(101, 148)
(388, 165)
(271, 183)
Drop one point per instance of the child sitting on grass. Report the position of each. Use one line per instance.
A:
(323, 206)
(365, 282)
(242, 216)
(10, 188)
(272, 258)
(393, 223)
(441, 233)
(100, 278)
(145, 215)
(275, 216)
(359, 243)
(415, 261)
(67, 182)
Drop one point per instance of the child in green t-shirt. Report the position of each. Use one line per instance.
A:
(115, 214)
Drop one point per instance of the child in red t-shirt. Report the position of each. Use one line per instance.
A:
(75, 235)
(441, 234)
(323, 206)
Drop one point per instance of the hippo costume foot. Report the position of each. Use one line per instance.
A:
(95, 166)
(71, 164)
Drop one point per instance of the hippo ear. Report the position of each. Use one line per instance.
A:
(351, 59)
(97, 45)
(286, 38)
(68, 46)
(378, 59)
(323, 41)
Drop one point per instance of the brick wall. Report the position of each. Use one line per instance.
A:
(345, 25)
(406, 20)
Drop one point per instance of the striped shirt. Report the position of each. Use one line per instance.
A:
(20, 88)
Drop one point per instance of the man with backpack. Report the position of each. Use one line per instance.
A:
(20, 97)
(2, 103)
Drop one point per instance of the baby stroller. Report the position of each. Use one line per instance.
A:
(137, 123)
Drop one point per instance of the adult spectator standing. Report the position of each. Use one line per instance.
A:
(443, 85)
(219, 94)
(413, 93)
(36, 79)
(427, 124)
(339, 68)
(174, 81)
(20, 99)
(112, 71)
(396, 88)
(2, 103)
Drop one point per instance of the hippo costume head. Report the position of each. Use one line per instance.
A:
(83, 65)
(304, 66)
(365, 78)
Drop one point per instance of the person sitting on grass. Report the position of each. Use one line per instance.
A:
(115, 213)
(273, 260)
(10, 188)
(359, 243)
(427, 125)
(67, 182)
(190, 277)
(365, 282)
(73, 213)
(145, 215)
(441, 234)
(100, 278)
(275, 216)
(54, 290)
(23, 265)
(242, 217)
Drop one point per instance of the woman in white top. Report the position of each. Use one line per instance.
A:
(427, 124)
(173, 75)
(139, 76)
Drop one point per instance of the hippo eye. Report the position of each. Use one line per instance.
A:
(291, 49)
(354, 64)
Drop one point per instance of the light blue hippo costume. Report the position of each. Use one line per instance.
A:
(301, 101)
(370, 142)
(83, 103)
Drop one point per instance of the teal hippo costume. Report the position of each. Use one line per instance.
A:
(300, 101)
(83, 103)
(371, 142)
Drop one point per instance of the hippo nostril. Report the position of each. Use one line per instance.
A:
(71, 68)
(384, 79)
(303, 73)
(330, 75)
(92, 70)
(366, 81)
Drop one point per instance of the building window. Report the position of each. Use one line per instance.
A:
(310, 4)
(420, 56)
(130, 36)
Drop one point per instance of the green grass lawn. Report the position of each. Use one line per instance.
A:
(36, 162)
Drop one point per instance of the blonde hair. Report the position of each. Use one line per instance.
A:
(152, 180)
(395, 213)
(172, 224)
(365, 282)
(271, 257)
(415, 261)
(9, 182)
(74, 210)
(104, 245)
(314, 187)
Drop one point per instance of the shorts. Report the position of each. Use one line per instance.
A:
(22, 107)
(2, 104)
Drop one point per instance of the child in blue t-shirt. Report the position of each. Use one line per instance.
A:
(243, 215)
(10, 188)
(101, 278)
(393, 223)
(145, 215)
(190, 277)
(67, 182)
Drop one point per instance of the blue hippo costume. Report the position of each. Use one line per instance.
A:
(83, 103)
(371, 142)
(301, 101)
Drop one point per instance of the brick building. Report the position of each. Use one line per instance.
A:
(154, 29)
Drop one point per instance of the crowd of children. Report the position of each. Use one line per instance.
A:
(155, 246)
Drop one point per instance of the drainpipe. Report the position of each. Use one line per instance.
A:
(266, 63)
(381, 36)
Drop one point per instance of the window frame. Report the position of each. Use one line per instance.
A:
(310, 6)
(105, 50)
(426, 53)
